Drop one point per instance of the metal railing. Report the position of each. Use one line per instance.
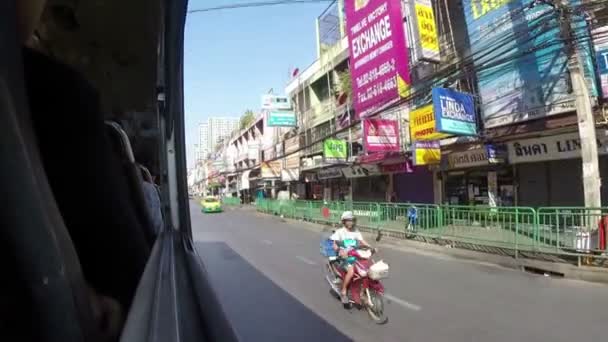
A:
(231, 201)
(553, 230)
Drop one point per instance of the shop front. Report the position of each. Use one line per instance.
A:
(549, 169)
(290, 174)
(335, 186)
(270, 179)
(368, 183)
(469, 177)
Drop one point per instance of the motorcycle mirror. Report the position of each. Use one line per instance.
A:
(379, 235)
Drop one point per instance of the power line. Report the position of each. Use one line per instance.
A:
(256, 4)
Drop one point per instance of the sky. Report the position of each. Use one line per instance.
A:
(234, 56)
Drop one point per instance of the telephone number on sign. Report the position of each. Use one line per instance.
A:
(377, 89)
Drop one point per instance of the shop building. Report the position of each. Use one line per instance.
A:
(470, 177)
(548, 170)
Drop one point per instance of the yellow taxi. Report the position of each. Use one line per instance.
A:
(211, 205)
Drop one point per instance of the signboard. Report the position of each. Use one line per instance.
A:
(271, 169)
(290, 175)
(329, 173)
(282, 118)
(531, 83)
(292, 161)
(292, 144)
(600, 42)
(270, 153)
(405, 167)
(357, 171)
(378, 53)
(422, 125)
(380, 135)
(427, 152)
(335, 149)
(270, 102)
(564, 146)
(471, 158)
(497, 154)
(454, 112)
(425, 31)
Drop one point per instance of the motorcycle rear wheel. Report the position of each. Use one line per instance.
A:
(376, 312)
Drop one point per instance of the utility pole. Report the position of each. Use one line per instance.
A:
(584, 112)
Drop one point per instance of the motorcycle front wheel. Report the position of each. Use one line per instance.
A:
(376, 310)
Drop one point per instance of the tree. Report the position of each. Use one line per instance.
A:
(247, 119)
(344, 85)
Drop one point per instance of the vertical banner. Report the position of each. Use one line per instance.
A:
(380, 135)
(378, 53)
(427, 41)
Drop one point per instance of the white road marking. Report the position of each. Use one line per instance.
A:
(268, 242)
(402, 302)
(305, 260)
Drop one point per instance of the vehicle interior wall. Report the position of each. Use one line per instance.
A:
(89, 61)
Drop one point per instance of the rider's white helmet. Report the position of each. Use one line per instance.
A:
(347, 215)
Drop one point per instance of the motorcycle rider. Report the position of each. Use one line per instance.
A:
(347, 232)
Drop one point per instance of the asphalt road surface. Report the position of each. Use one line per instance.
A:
(268, 275)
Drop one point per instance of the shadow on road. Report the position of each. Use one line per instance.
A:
(258, 308)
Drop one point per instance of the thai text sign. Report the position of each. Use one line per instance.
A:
(427, 152)
(423, 126)
(335, 149)
(270, 101)
(378, 53)
(564, 146)
(281, 118)
(380, 135)
(454, 112)
(470, 158)
(427, 46)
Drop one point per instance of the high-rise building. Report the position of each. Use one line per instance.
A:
(211, 132)
(203, 141)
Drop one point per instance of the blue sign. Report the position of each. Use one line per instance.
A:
(521, 66)
(496, 153)
(282, 118)
(454, 112)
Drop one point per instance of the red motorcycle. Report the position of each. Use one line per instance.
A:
(365, 290)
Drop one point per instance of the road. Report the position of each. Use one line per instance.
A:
(268, 275)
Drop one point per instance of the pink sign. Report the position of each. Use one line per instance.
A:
(380, 135)
(405, 167)
(378, 53)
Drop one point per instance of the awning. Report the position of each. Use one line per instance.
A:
(245, 180)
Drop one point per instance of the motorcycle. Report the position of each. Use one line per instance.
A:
(365, 289)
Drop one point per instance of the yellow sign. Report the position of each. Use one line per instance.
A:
(427, 27)
(426, 153)
(422, 125)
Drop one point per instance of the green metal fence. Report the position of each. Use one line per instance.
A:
(554, 230)
(231, 201)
